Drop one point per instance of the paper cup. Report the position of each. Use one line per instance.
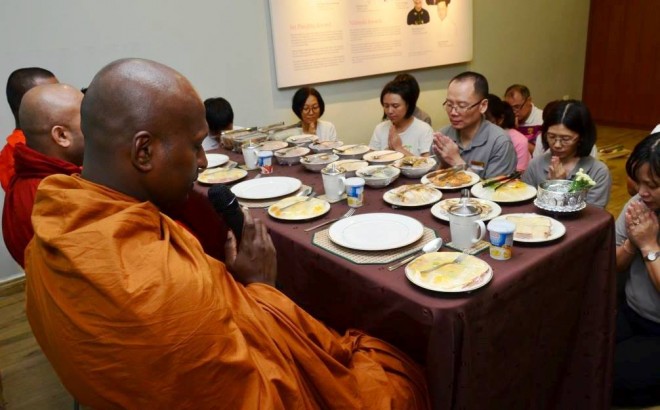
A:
(501, 239)
(354, 192)
(265, 161)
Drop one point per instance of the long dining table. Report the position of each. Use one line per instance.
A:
(540, 335)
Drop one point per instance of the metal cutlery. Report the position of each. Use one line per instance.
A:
(384, 155)
(210, 171)
(307, 199)
(428, 247)
(460, 258)
(348, 213)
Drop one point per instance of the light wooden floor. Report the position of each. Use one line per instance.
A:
(29, 381)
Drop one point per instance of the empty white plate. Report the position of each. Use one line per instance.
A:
(267, 187)
(215, 160)
(376, 232)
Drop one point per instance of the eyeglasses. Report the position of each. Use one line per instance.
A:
(518, 107)
(562, 139)
(460, 108)
(311, 108)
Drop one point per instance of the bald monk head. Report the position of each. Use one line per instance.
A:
(21, 81)
(144, 125)
(50, 117)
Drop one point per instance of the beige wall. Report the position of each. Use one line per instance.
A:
(540, 43)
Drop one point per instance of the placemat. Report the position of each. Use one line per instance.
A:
(476, 249)
(265, 203)
(322, 240)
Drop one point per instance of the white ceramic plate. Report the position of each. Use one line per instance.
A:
(557, 229)
(221, 176)
(516, 193)
(272, 145)
(302, 139)
(474, 178)
(489, 208)
(215, 160)
(267, 187)
(297, 208)
(430, 196)
(376, 232)
(427, 282)
(386, 156)
(354, 149)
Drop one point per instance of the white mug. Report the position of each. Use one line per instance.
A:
(466, 230)
(250, 152)
(333, 184)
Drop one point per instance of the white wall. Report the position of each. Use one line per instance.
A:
(224, 47)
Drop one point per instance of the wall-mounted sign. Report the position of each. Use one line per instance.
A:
(324, 40)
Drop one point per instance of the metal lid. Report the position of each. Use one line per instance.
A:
(332, 170)
(465, 209)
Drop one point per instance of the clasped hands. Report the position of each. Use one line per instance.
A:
(447, 150)
(642, 226)
(255, 261)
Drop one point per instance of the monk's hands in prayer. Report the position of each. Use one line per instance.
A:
(556, 169)
(446, 149)
(256, 259)
(642, 226)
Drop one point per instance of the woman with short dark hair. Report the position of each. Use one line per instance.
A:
(401, 131)
(308, 105)
(570, 134)
(637, 350)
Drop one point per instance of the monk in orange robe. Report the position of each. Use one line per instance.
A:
(18, 83)
(132, 313)
(50, 116)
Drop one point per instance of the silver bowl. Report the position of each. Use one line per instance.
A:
(553, 196)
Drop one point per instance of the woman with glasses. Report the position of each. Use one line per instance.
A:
(637, 350)
(308, 105)
(401, 131)
(569, 134)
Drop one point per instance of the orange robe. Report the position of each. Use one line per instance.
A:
(133, 314)
(7, 157)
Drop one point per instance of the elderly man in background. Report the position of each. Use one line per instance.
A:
(471, 140)
(50, 119)
(18, 83)
(133, 314)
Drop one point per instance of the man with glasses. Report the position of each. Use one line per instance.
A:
(471, 140)
(529, 117)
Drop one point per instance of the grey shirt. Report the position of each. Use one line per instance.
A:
(641, 295)
(599, 195)
(491, 146)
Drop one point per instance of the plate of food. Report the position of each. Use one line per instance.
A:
(266, 188)
(451, 180)
(376, 231)
(383, 157)
(298, 208)
(221, 175)
(534, 227)
(303, 139)
(215, 160)
(412, 195)
(513, 191)
(489, 209)
(350, 165)
(351, 151)
(415, 167)
(445, 272)
(272, 145)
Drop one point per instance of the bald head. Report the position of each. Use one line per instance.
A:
(21, 81)
(50, 117)
(135, 114)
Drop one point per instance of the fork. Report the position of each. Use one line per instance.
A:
(348, 213)
(460, 258)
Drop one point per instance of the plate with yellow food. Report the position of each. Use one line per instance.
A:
(534, 227)
(452, 180)
(221, 175)
(298, 208)
(489, 209)
(412, 195)
(445, 272)
(511, 191)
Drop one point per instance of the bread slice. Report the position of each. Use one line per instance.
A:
(531, 227)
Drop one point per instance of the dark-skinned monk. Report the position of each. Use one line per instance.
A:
(19, 82)
(50, 119)
(132, 313)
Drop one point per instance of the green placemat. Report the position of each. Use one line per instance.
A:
(322, 240)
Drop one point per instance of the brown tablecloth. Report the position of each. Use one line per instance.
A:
(539, 336)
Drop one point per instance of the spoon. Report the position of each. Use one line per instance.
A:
(431, 246)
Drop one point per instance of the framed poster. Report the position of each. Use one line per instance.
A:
(325, 40)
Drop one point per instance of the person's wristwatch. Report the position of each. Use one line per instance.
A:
(651, 256)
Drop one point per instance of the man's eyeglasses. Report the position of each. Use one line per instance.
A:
(460, 108)
(518, 107)
(562, 139)
(311, 108)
